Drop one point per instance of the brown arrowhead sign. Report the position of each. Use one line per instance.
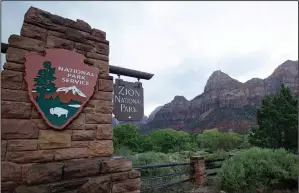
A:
(59, 84)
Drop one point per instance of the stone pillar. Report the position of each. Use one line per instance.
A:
(38, 159)
(198, 170)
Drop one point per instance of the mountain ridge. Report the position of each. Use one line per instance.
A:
(223, 96)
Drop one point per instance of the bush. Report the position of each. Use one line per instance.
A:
(257, 168)
(169, 140)
(213, 140)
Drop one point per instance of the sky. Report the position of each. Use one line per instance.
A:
(182, 43)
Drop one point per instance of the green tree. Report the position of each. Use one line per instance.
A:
(125, 135)
(144, 143)
(169, 140)
(214, 140)
(44, 80)
(278, 122)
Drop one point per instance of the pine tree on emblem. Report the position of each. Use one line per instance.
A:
(44, 80)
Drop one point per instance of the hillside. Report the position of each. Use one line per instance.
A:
(226, 103)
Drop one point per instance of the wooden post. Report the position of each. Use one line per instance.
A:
(198, 170)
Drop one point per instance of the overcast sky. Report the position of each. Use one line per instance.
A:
(182, 43)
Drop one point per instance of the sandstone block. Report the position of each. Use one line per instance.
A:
(99, 95)
(89, 61)
(56, 34)
(21, 145)
(126, 186)
(14, 66)
(32, 189)
(91, 126)
(102, 66)
(11, 79)
(32, 31)
(105, 85)
(81, 168)
(97, 56)
(84, 47)
(102, 49)
(3, 149)
(30, 156)
(105, 77)
(119, 176)
(14, 95)
(80, 25)
(35, 114)
(18, 129)
(83, 135)
(104, 131)
(40, 123)
(78, 122)
(70, 153)
(12, 110)
(116, 165)
(55, 42)
(45, 19)
(25, 169)
(98, 118)
(26, 43)
(44, 173)
(100, 148)
(79, 143)
(69, 185)
(98, 33)
(80, 52)
(75, 35)
(104, 107)
(15, 55)
(24, 86)
(96, 185)
(10, 171)
(89, 110)
(93, 41)
(8, 187)
(134, 174)
(51, 139)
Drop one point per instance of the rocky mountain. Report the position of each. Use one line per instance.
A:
(226, 103)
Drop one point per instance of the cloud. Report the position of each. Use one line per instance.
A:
(182, 43)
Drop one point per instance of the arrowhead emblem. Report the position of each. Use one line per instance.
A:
(59, 84)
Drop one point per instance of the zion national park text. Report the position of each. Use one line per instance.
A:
(75, 76)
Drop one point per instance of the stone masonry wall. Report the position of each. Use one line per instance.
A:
(38, 159)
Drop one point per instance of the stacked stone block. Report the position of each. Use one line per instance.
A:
(198, 170)
(37, 158)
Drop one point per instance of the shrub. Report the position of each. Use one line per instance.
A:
(213, 140)
(257, 168)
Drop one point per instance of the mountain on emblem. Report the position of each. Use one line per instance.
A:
(74, 90)
(58, 86)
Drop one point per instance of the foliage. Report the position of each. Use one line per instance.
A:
(44, 80)
(125, 135)
(213, 140)
(256, 168)
(166, 140)
(169, 140)
(278, 122)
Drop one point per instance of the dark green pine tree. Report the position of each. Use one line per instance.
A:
(278, 122)
(44, 80)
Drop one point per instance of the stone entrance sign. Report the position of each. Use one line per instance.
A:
(128, 100)
(59, 84)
